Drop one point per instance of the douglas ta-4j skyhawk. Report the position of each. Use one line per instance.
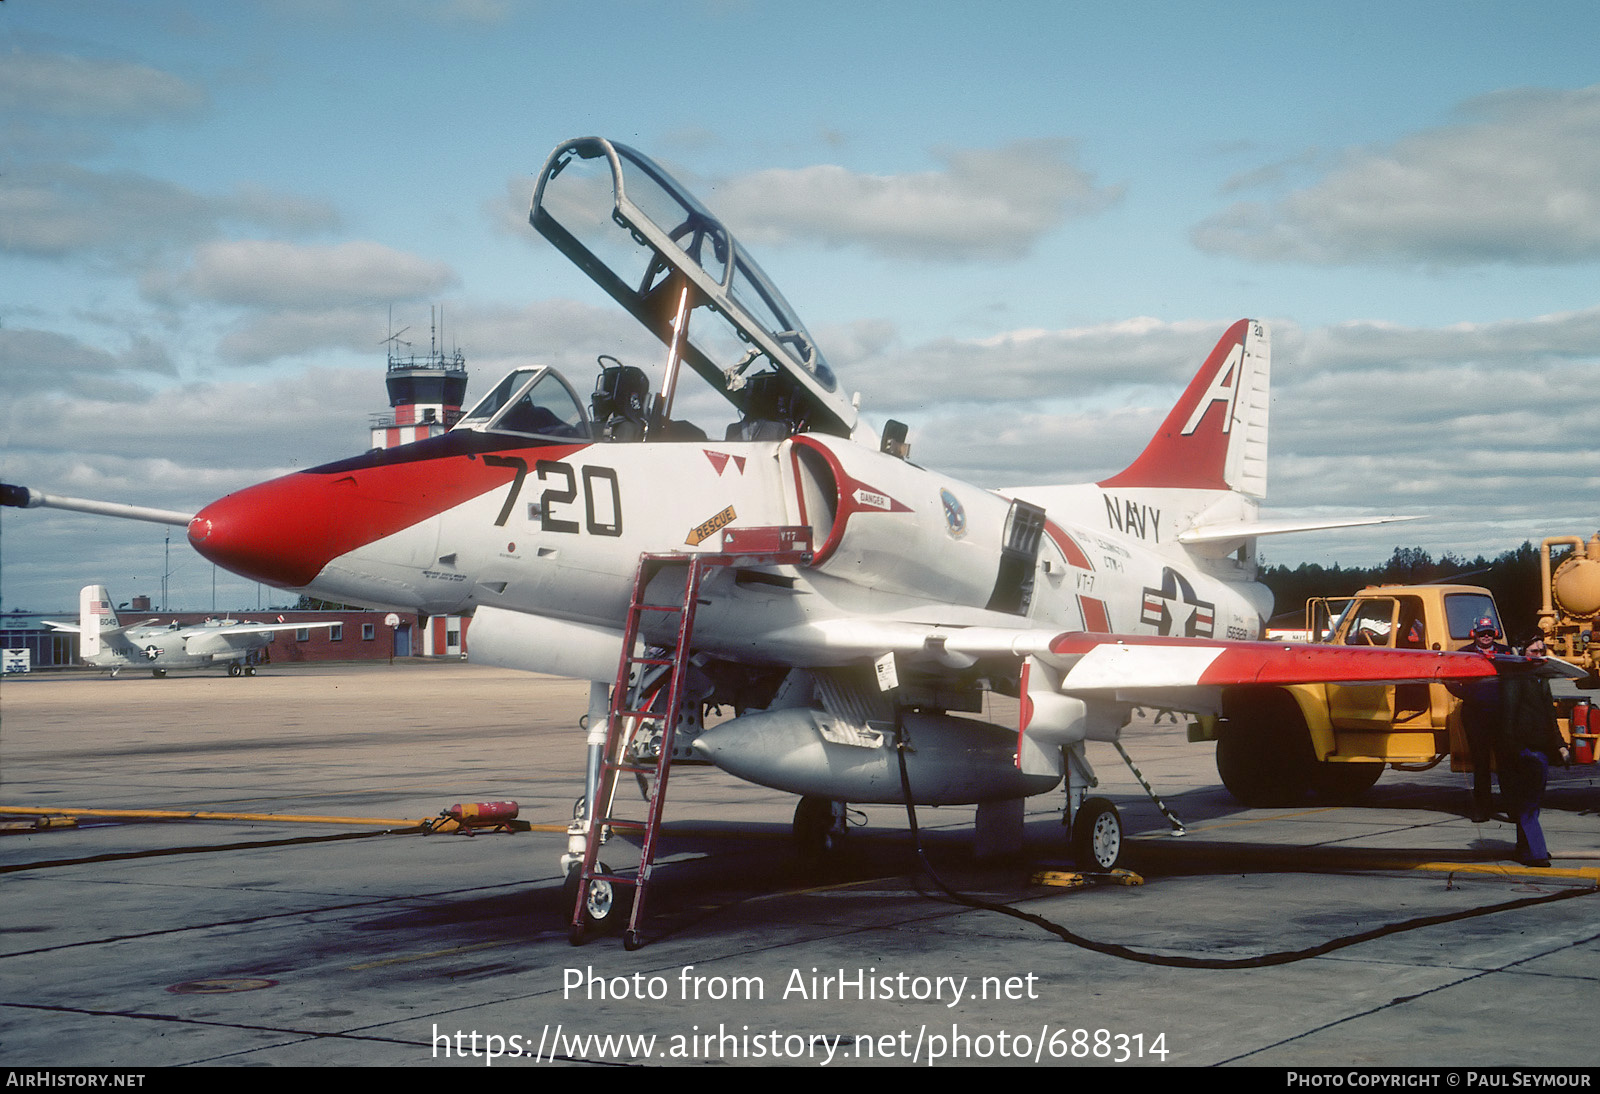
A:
(108, 644)
(849, 606)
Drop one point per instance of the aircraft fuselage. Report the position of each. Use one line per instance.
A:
(556, 530)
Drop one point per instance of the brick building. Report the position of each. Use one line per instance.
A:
(356, 635)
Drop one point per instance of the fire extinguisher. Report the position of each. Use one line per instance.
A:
(1584, 720)
(473, 816)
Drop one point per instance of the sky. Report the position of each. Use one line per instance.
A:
(1018, 227)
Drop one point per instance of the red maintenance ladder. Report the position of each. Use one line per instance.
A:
(633, 708)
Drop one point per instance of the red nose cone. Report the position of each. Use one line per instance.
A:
(284, 532)
(281, 532)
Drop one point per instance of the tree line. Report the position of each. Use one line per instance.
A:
(1513, 578)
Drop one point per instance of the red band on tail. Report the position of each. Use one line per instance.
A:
(1190, 450)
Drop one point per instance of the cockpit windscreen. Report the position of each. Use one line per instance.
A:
(536, 402)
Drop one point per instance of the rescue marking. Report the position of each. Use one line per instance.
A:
(700, 532)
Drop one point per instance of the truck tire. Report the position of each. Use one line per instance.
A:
(1264, 751)
(1344, 782)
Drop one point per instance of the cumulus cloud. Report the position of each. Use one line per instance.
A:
(359, 12)
(176, 448)
(494, 338)
(41, 360)
(55, 210)
(208, 432)
(566, 334)
(81, 88)
(56, 108)
(1515, 180)
(1448, 422)
(1525, 344)
(1016, 446)
(507, 213)
(260, 337)
(1028, 366)
(267, 273)
(1451, 422)
(981, 204)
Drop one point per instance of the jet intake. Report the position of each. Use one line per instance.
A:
(951, 761)
(888, 524)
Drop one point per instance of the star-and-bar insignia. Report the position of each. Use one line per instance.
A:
(1157, 610)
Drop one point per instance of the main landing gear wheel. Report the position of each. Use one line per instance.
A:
(1097, 836)
(234, 669)
(815, 837)
(604, 905)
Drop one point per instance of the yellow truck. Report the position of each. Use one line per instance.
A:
(1277, 745)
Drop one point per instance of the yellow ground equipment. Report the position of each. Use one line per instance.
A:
(1572, 602)
(1276, 745)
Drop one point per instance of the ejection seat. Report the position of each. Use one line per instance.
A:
(617, 406)
(768, 410)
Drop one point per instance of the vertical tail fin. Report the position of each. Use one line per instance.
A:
(1215, 438)
(95, 614)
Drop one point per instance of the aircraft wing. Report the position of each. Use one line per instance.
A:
(1114, 662)
(74, 628)
(1073, 687)
(1229, 531)
(1077, 685)
(267, 628)
(239, 636)
(1099, 663)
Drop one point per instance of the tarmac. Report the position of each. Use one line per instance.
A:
(1395, 933)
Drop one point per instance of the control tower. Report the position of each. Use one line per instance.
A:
(425, 392)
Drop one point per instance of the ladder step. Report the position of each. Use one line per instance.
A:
(770, 546)
(635, 769)
(615, 880)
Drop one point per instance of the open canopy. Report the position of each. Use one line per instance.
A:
(661, 254)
